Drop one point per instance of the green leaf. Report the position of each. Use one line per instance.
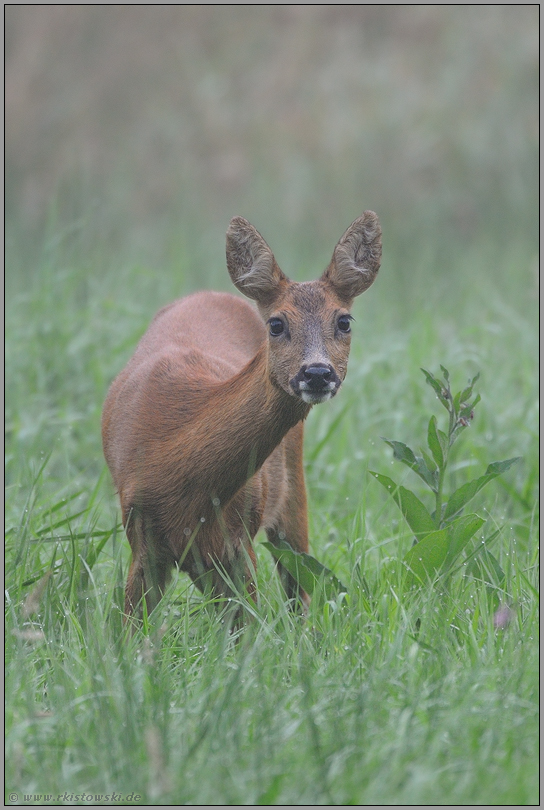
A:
(459, 532)
(429, 461)
(466, 412)
(438, 443)
(465, 493)
(466, 393)
(415, 513)
(404, 454)
(306, 570)
(500, 467)
(426, 559)
(445, 372)
(438, 388)
(462, 398)
(439, 549)
(401, 452)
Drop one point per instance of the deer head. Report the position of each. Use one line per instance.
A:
(309, 330)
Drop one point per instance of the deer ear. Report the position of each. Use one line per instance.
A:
(356, 258)
(251, 263)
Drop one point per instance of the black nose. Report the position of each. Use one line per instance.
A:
(317, 377)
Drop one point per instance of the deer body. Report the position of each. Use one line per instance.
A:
(203, 430)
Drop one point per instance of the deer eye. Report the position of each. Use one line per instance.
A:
(344, 323)
(276, 326)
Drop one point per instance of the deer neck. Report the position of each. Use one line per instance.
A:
(248, 416)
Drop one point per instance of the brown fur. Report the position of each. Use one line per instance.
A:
(203, 429)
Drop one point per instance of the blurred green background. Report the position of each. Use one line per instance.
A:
(138, 131)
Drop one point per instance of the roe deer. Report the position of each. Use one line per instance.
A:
(202, 431)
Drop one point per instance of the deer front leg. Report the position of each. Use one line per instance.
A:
(290, 518)
(222, 561)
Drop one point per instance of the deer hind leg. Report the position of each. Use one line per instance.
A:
(149, 569)
(290, 521)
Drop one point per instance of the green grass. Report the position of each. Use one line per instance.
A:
(381, 697)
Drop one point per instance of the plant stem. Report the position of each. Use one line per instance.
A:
(445, 453)
(438, 508)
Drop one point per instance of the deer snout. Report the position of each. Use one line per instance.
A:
(315, 383)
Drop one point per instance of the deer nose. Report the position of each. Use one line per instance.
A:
(315, 382)
(317, 376)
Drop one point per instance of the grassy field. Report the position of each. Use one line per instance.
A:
(381, 697)
(133, 135)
